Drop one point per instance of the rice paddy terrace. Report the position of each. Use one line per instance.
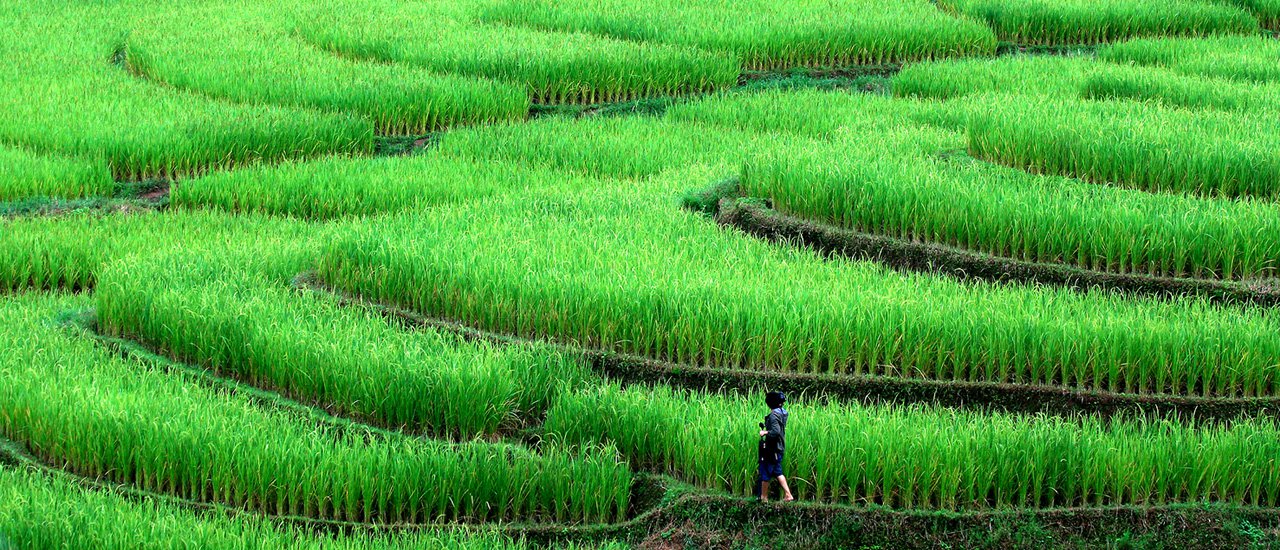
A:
(516, 273)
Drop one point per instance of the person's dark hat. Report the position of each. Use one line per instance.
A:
(775, 399)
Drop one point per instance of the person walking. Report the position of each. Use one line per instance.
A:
(773, 444)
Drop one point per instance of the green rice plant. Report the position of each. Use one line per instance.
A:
(625, 270)
(242, 50)
(24, 175)
(1138, 145)
(1245, 58)
(68, 252)
(552, 67)
(763, 34)
(611, 147)
(1049, 75)
(892, 182)
(213, 310)
(1058, 22)
(811, 113)
(342, 186)
(63, 95)
(103, 417)
(1267, 11)
(42, 512)
(1181, 90)
(919, 457)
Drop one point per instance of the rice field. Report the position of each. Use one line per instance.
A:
(552, 67)
(1049, 22)
(766, 35)
(242, 51)
(936, 458)
(573, 269)
(476, 273)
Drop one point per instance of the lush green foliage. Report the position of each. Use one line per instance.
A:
(67, 252)
(1023, 74)
(621, 271)
(1246, 58)
(1052, 22)
(343, 186)
(1133, 144)
(1182, 90)
(933, 458)
(764, 34)
(241, 50)
(905, 182)
(1267, 11)
(62, 94)
(24, 175)
(552, 67)
(811, 113)
(38, 512)
(216, 311)
(113, 419)
(608, 147)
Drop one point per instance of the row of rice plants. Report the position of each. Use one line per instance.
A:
(68, 252)
(613, 147)
(1245, 58)
(242, 50)
(217, 312)
(342, 186)
(809, 113)
(1138, 145)
(40, 512)
(108, 418)
(1181, 90)
(891, 182)
(918, 457)
(1056, 75)
(620, 270)
(1059, 22)
(24, 175)
(63, 95)
(767, 35)
(552, 67)
(1267, 11)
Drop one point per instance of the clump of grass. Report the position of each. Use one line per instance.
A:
(1058, 22)
(890, 181)
(1023, 74)
(68, 252)
(1138, 145)
(241, 50)
(552, 67)
(617, 147)
(25, 175)
(810, 113)
(126, 422)
(341, 186)
(42, 512)
(1245, 58)
(767, 35)
(920, 457)
(1267, 11)
(215, 311)
(618, 270)
(1181, 90)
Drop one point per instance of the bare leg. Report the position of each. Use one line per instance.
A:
(764, 491)
(786, 490)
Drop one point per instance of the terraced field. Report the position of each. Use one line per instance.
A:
(518, 273)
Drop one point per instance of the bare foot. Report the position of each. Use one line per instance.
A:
(788, 499)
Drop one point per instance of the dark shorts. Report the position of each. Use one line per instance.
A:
(770, 470)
